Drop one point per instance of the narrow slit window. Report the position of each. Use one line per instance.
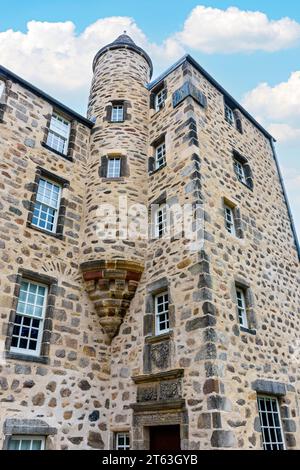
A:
(240, 171)
(162, 322)
(161, 221)
(160, 155)
(270, 423)
(242, 308)
(29, 319)
(58, 134)
(229, 220)
(46, 207)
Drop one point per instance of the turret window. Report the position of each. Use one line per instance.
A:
(114, 168)
(117, 113)
(58, 134)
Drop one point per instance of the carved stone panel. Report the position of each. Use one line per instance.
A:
(160, 355)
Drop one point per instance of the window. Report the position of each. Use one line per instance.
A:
(241, 305)
(58, 134)
(117, 113)
(229, 220)
(162, 323)
(2, 91)
(46, 207)
(29, 318)
(229, 115)
(270, 423)
(26, 443)
(160, 155)
(114, 168)
(240, 171)
(161, 221)
(160, 99)
(122, 441)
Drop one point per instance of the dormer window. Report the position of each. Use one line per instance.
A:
(117, 113)
(59, 133)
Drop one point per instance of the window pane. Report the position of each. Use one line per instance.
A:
(270, 423)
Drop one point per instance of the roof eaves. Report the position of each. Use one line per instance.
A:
(4, 72)
(189, 58)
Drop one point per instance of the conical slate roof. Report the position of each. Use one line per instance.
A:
(124, 41)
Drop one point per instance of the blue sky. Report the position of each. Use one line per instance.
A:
(243, 44)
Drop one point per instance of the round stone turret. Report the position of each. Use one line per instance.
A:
(112, 260)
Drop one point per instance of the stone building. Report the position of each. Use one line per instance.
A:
(147, 341)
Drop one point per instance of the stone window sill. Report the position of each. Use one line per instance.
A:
(67, 157)
(119, 179)
(247, 330)
(158, 338)
(157, 169)
(59, 236)
(26, 357)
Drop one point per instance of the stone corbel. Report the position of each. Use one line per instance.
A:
(111, 285)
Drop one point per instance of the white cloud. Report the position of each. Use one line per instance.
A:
(279, 102)
(233, 30)
(57, 59)
(284, 133)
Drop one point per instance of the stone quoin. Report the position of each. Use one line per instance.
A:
(146, 342)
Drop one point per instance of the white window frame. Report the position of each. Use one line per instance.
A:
(113, 168)
(60, 129)
(2, 90)
(56, 209)
(160, 155)
(164, 313)
(21, 438)
(161, 221)
(239, 171)
(242, 307)
(117, 113)
(160, 98)
(229, 219)
(265, 429)
(41, 319)
(229, 114)
(125, 435)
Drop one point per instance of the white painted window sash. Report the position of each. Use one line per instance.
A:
(30, 439)
(59, 129)
(270, 421)
(229, 220)
(160, 99)
(47, 205)
(117, 113)
(242, 310)
(161, 221)
(40, 327)
(162, 317)
(122, 436)
(160, 155)
(114, 168)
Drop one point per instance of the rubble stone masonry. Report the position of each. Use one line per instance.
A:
(102, 368)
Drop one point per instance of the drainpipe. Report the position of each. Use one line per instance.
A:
(286, 199)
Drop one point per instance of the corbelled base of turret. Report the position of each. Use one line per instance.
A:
(111, 285)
